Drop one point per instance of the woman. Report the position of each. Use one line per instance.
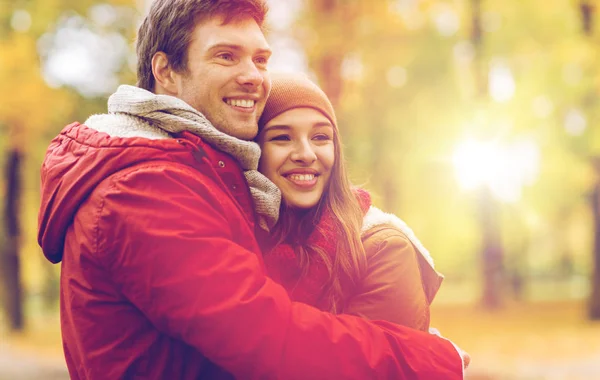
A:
(331, 248)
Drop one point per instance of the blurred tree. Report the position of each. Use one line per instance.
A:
(492, 251)
(588, 102)
(587, 21)
(25, 108)
(385, 69)
(30, 110)
(335, 22)
(352, 34)
(415, 80)
(11, 268)
(594, 308)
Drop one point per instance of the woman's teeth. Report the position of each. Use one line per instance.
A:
(241, 103)
(301, 177)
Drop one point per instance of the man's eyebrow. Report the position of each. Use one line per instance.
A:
(236, 47)
(223, 45)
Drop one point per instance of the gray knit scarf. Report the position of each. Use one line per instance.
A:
(173, 115)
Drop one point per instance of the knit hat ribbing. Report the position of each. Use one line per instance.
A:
(289, 91)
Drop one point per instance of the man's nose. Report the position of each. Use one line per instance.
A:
(304, 153)
(250, 75)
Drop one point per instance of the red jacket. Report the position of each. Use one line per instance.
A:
(162, 276)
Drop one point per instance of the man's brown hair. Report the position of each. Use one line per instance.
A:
(169, 24)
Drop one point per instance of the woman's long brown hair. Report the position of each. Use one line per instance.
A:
(349, 260)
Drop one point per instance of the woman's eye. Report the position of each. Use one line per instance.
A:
(322, 137)
(280, 138)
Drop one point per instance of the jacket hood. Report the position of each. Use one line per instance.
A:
(80, 158)
(432, 279)
(376, 217)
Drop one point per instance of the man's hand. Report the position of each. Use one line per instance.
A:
(466, 358)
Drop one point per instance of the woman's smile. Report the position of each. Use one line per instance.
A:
(298, 154)
(302, 179)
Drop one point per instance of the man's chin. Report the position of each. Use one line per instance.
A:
(243, 132)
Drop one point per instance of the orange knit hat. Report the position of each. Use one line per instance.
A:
(289, 91)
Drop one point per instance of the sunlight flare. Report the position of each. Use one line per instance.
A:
(505, 169)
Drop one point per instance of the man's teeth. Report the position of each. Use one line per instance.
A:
(302, 177)
(244, 103)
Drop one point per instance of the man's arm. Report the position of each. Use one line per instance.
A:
(168, 246)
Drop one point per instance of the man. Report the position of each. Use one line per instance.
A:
(150, 210)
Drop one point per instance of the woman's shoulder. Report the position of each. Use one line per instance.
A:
(378, 237)
(388, 239)
(379, 226)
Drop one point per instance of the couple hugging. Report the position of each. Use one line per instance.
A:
(188, 254)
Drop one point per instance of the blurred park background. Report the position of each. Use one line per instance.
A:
(476, 121)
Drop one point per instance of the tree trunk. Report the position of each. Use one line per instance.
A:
(492, 253)
(491, 250)
(479, 67)
(594, 311)
(11, 265)
(586, 8)
(329, 65)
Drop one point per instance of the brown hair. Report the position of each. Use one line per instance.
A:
(169, 24)
(338, 199)
(349, 260)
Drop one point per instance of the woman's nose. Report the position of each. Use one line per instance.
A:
(304, 153)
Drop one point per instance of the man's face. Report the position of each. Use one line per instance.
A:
(227, 77)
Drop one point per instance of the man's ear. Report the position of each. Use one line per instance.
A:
(165, 77)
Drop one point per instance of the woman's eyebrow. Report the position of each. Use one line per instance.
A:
(322, 124)
(278, 127)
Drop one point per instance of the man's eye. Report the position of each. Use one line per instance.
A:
(261, 60)
(226, 56)
(280, 138)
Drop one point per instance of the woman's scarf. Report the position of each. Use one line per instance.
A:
(284, 267)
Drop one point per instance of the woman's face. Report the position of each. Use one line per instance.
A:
(298, 154)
